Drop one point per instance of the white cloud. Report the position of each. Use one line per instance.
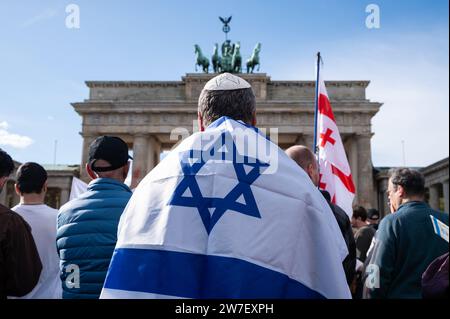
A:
(14, 140)
(44, 15)
(3, 125)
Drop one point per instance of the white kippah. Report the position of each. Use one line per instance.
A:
(226, 81)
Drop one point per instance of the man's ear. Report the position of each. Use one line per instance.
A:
(401, 191)
(90, 172)
(254, 118)
(126, 169)
(201, 127)
(16, 188)
(45, 187)
(310, 170)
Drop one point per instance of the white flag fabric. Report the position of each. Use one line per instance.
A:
(78, 188)
(335, 174)
(227, 215)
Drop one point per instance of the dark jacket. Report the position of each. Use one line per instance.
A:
(435, 281)
(20, 265)
(87, 235)
(363, 239)
(405, 244)
(345, 226)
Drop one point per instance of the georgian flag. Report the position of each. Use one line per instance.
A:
(227, 215)
(335, 174)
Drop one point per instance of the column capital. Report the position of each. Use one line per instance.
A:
(363, 134)
(140, 135)
(88, 135)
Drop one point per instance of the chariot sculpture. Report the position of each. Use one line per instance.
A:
(229, 58)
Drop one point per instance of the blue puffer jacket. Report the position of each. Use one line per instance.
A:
(87, 235)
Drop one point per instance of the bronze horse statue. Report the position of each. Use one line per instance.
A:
(254, 59)
(201, 59)
(236, 60)
(216, 60)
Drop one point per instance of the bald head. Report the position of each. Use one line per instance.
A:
(306, 160)
(301, 155)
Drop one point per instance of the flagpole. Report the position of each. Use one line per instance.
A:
(316, 111)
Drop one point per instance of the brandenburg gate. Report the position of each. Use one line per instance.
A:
(151, 116)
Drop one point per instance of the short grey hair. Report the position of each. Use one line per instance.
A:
(237, 104)
(411, 180)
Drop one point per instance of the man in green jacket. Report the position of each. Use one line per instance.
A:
(405, 243)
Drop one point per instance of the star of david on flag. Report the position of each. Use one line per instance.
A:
(192, 161)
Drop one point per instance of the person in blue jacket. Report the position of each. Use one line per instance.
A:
(406, 242)
(87, 225)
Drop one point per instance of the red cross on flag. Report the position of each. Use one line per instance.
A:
(335, 175)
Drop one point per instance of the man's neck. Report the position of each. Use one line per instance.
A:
(32, 199)
(412, 199)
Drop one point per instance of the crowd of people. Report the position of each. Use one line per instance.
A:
(46, 253)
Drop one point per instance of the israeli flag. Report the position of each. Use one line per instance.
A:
(227, 215)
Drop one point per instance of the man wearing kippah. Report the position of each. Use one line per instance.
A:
(227, 215)
(87, 226)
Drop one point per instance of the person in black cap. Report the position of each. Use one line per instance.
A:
(87, 226)
(373, 218)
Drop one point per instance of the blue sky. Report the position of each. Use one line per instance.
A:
(43, 64)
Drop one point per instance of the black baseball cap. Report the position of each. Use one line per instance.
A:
(373, 214)
(111, 149)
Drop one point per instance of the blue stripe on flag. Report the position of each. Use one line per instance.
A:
(199, 276)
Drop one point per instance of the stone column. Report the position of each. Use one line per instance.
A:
(139, 159)
(65, 193)
(353, 162)
(384, 206)
(365, 172)
(16, 199)
(446, 203)
(151, 149)
(87, 140)
(434, 196)
(157, 151)
(154, 152)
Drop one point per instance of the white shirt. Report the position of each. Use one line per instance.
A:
(42, 220)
